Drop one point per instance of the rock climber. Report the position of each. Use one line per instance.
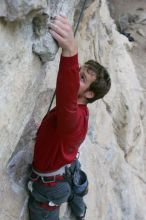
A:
(63, 129)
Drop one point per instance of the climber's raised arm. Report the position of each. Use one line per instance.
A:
(68, 76)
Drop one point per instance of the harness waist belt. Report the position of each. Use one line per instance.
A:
(60, 171)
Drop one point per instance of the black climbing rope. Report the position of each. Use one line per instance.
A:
(80, 16)
(75, 31)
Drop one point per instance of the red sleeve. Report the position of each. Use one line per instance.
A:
(67, 94)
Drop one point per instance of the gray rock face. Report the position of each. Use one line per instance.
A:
(14, 9)
(112, 154)
(44, 46)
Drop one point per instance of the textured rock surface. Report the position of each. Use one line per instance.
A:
(113, 152)
(15, 10)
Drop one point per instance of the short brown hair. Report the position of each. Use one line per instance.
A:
(102, 84)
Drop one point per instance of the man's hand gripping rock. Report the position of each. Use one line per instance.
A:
(62, 32)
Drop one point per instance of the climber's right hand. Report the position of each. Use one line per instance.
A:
(62, 32)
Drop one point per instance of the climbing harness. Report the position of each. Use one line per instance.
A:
(73, 174)
(77, 25)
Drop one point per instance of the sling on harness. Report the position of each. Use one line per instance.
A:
(77, 178)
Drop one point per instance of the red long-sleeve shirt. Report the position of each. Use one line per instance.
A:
(64, 128)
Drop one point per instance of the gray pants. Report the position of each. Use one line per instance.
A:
(57, 194)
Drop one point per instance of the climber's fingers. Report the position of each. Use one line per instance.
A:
(58, 27)
(63, 26)
(61, 31)
(62, 18)
(56, 36)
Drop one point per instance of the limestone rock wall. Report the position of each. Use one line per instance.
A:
(113, 152)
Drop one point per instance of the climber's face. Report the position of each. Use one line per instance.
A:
(87, 77)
